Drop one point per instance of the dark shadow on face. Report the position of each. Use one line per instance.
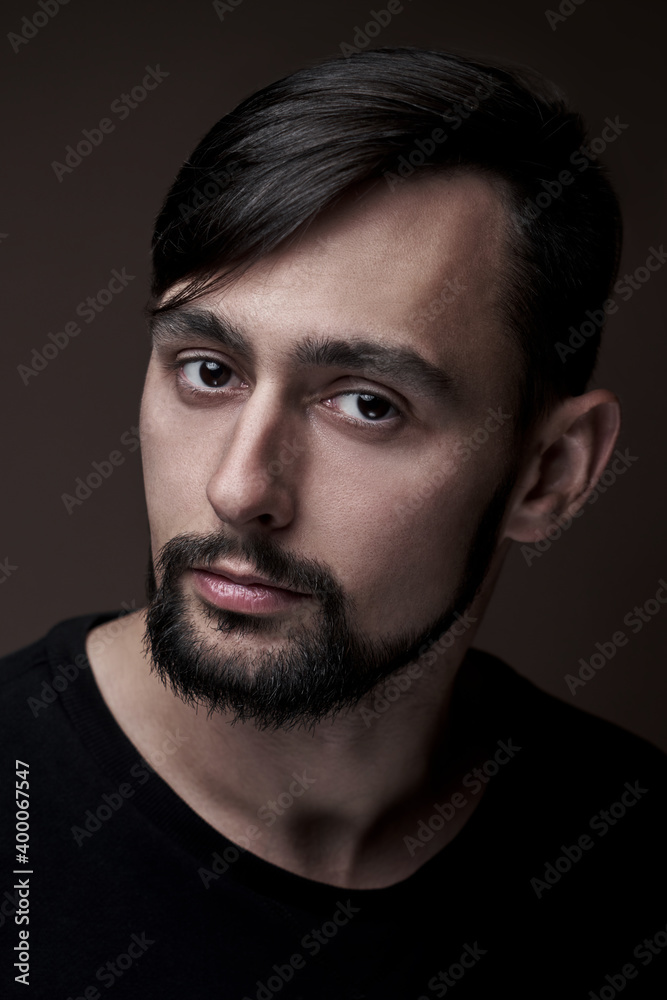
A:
(318, 669)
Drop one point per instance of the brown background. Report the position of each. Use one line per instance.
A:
(62, 239)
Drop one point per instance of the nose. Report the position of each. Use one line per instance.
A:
(257, 476)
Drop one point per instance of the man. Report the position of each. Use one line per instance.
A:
(292, 774)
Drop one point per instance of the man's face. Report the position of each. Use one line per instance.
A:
(344, 436)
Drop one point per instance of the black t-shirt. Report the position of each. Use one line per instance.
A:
(555, 887)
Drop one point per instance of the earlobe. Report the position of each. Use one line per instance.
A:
(566, 459)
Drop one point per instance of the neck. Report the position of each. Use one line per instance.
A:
(333, 803)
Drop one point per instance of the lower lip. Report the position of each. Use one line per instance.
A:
(231, 596)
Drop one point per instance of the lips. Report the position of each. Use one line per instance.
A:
(244, 579)
(247, 593)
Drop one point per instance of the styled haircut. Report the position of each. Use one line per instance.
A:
(293, 149)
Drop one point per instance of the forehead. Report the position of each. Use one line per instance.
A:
(416, 265)
(408, 238)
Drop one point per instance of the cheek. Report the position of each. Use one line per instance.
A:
(174, 468)
(397, 537)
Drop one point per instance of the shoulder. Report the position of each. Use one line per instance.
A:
(16, 664)
(41, 670)
(573, 733)
(568, 754)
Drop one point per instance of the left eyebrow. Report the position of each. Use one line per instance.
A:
(402, 365)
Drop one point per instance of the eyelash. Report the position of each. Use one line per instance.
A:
(176, 365)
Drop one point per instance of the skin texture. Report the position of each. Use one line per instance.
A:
(374, 269)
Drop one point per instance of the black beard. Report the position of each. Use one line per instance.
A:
(319, 670)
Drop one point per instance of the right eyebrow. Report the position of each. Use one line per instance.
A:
(179, 325)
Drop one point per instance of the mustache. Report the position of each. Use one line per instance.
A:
(264, 556)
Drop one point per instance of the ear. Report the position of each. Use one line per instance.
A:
(566, 457)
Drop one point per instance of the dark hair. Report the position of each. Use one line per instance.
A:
(291, 150)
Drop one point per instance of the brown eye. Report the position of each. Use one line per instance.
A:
(373, 407)
(367, 406)
(207, 373)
